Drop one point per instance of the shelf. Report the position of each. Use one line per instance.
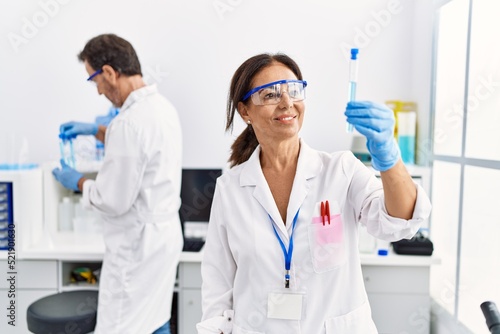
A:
(67, 267)
(80, 286)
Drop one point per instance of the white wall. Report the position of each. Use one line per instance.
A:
(191, 49)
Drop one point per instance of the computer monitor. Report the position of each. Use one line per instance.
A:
(197, 191)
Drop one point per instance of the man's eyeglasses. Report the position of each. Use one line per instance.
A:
(96, 73)
(272, 92)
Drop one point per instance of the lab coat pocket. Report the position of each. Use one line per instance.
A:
(358, 321)
(327, 243)
(330, 232)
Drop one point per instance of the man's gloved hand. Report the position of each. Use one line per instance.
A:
(72, 129)
(376, 123)
(67, 176)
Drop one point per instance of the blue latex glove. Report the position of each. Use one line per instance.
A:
(67, 176)
(72, 129)
(106, 119)
(376, 123)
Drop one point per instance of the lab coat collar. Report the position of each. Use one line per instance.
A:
(309, 166)
(138, 95)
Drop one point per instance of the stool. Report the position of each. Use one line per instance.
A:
(70, 311)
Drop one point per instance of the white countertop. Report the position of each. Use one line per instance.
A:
(69, 246)
(90, 247)
(394, 259)
(66, 246)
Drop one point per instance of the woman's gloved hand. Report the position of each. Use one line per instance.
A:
(67, 176)
(376, 123)
(72, 129)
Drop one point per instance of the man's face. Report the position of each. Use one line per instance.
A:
(105, 83)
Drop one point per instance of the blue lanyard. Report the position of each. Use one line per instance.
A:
(287, 254)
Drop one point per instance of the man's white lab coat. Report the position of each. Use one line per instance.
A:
(137, 191)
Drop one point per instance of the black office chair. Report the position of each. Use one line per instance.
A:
(70, 311)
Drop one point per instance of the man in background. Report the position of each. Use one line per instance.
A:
(137, 191)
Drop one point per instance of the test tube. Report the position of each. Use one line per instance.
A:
(353, 78)
(72, 154)
(66, 148)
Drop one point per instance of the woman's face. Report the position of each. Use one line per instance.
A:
(274, 122)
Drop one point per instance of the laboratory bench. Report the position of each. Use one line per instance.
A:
(397, 285)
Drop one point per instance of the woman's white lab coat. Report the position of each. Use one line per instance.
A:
(243, 260)
(137, 191)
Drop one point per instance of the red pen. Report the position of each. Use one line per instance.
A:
(323, 213)
(327, 212)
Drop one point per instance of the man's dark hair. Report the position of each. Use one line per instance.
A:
(109, 49)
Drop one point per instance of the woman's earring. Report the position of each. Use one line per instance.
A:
(249, 122)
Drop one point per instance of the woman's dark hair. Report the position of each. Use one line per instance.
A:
(241, 83)
(109, 49)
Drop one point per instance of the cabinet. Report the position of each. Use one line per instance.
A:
(34, 279)
(189, 303)
(399, 298)
(65, 269)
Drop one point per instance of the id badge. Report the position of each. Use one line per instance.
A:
(287, 306)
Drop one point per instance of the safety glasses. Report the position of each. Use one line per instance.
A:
(272, 92)
(94, 75)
